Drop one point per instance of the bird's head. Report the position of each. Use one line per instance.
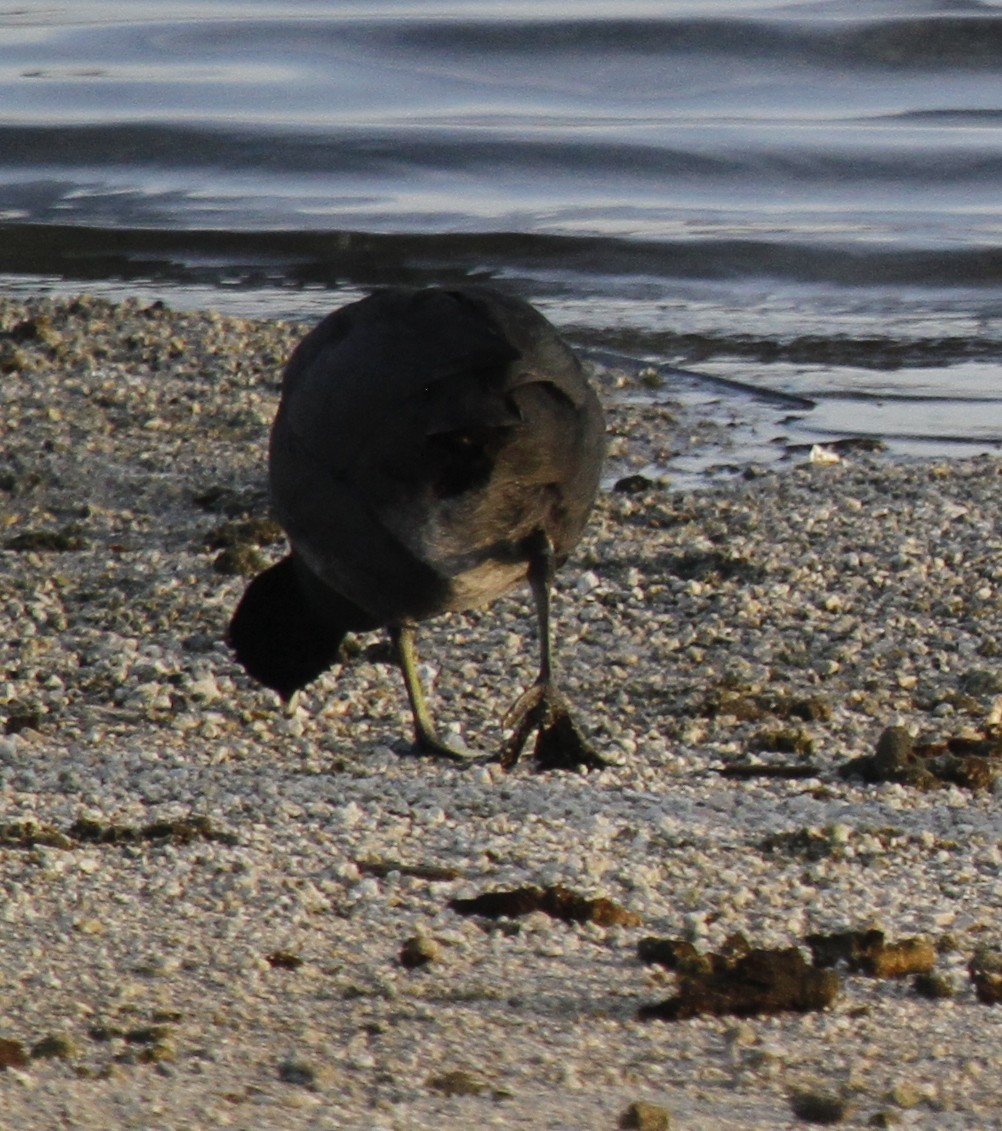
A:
(279, 635)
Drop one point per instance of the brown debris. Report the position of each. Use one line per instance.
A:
(640, 1116)
(458, 1082)
(899, 959)
(748, 985)
(556, 901)
(283, 960)
(867, 952)
(13, 1054)
(969, 761)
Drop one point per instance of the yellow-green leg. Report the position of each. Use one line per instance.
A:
(426, 741)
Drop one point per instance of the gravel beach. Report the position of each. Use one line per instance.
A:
(216, 915)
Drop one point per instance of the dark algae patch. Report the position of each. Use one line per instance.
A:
(183, 831)
(972, 762)
(67, 539)
(85, 831)
(778, 771)
(433, 873)
(557, 902)
(747, 985)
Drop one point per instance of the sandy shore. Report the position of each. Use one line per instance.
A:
(203, 903)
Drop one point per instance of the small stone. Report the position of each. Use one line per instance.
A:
(418, 951)
(586, 582)
(89, 926)
(894, 751)
(633, 484)
(299, 1073)
(641, 1116)
(819, 1107)
(905, 1094)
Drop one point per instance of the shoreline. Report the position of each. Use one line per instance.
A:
(692, 627)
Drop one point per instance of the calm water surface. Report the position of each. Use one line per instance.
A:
(803, 197)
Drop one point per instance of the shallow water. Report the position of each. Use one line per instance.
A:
(800, 196)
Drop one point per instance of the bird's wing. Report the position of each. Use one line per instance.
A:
(369, 370)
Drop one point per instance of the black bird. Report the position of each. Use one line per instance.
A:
(432, 449)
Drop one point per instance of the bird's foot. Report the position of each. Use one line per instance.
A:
(560, 745)
(429, 745)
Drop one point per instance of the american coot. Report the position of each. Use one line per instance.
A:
(432, 449)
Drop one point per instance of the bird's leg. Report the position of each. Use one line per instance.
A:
(560, 745)
(426, 741)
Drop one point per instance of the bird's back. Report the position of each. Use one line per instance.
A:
(423, 436)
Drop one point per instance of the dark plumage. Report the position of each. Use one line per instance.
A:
(432, 449)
